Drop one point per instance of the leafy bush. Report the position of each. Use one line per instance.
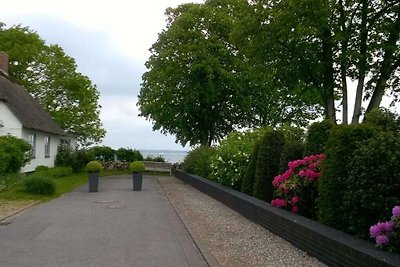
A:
(230, 160)
(103, 153)
(387, 234)
(250, 173)
(77, 159)
(128, 155)
(268, 162)
(296, 188)
(14, 154)
(41, 168)
(198, 161)
(373, 183)
(137, 167)
(383, 119)
(294, 146)
(94, 166)
(336, 168)
(9, 181)
(317, 136)
(40, 186)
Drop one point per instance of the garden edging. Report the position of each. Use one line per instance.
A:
(329, 245)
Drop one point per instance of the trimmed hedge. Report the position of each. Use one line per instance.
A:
(333, 184)
(267, 166)
(250, 174)
(198, 161)
(317, 137)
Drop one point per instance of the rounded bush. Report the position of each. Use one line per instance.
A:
(137, 167)
(40, 186)
(94, 166)
(41, 168)
(13, 154)
(317, 136)
(198, 161)
(383, 119)
(230, 160)
(268, 162)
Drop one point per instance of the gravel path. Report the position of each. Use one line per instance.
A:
(225, 236)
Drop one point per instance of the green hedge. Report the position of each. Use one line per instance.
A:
(250, 174)
(317, 136)
(198, 161)
(268, 162)
(336, 169)
(39, 185)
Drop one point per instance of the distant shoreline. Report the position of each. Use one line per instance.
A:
(172, 156)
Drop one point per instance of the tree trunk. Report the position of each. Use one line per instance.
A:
(343, 63)
(328, 81)
(362, 63)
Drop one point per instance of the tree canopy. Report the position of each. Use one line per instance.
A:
(200, 86)
(52, 78)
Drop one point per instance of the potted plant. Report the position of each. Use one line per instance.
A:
(137, 168)
(93, 168)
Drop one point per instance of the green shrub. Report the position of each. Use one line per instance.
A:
(198, 161)
(64, 156)
(128, 155)
(137, 167)
(230, 160)
(40, 186)
(103, 153)
(373, 184)
(41, 168)
(317, 136)
(94, 166)
(383, 119)
(268, 162)
(250, 173)
(9, 181)
(336, 168)
(292, 150)
(14, 154)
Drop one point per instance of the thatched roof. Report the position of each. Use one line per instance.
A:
(26, 108)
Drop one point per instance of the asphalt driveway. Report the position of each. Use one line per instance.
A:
(113, 227)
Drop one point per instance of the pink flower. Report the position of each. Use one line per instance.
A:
(302, 173)
(295, 209)
(286, 190)
(311, 166)
(382, 239)
(396, 211)
(295, 199)
(279, 202)
(381, 228)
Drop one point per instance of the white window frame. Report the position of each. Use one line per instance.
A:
(32, 142)
(47, 146)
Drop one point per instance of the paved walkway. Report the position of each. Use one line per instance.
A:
(113, 227)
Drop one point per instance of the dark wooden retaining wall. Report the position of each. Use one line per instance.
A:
(330, 246)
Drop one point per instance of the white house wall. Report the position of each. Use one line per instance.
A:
(11, 124)
(40, 158)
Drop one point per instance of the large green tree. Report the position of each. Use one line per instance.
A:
(193, 88)
(52, 78)
(200, 86)
(318, 45)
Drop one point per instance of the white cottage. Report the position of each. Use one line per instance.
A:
(23, 117)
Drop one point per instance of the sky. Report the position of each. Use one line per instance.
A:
(109, 41)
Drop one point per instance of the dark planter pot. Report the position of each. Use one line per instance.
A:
(93, 181)
(137, 179)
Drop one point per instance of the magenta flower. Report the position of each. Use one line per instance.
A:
(396, 211)
(295, 209)
(279, 202)
(382, 239)
(302, 173)
(311, 166)
(295, 200)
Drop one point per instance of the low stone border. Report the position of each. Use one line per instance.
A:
(330, 246)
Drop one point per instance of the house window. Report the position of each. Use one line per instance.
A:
(32, 142)
(47, 146)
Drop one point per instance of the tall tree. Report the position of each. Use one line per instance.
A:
(51, 77)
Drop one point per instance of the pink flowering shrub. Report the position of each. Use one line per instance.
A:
(387, 234)
(296, 189)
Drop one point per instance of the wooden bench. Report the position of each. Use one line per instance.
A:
(158, 166)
